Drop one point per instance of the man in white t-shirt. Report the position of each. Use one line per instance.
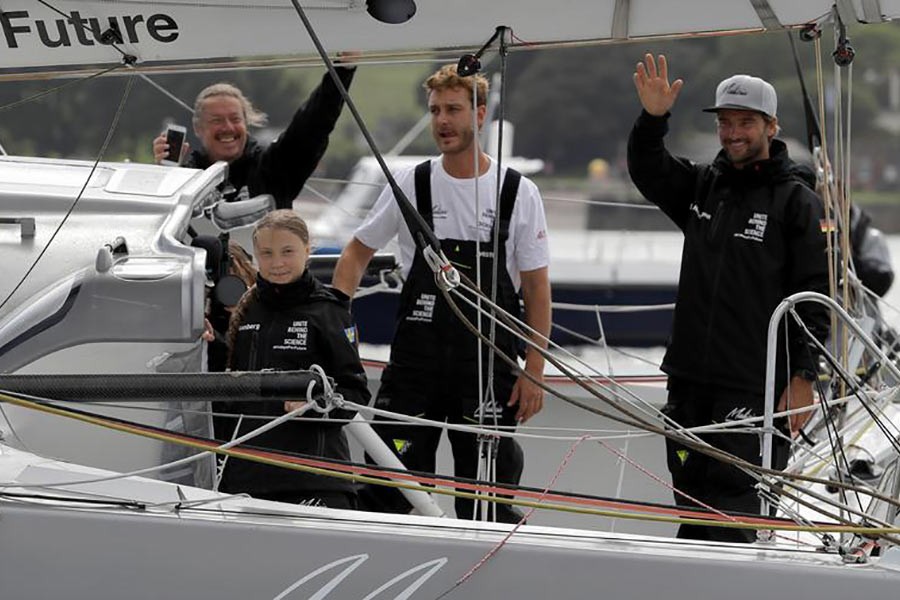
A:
(434, 365)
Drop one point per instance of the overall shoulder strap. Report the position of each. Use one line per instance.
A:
(423, 192)
(508, 194)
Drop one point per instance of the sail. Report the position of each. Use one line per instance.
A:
(63, 35)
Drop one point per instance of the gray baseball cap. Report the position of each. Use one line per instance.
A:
(744, 92)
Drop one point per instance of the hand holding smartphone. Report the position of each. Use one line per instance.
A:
(175, 135)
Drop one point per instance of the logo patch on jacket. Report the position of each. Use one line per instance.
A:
(350, 332)
(827, 226)
(295, 337)
(756, 228)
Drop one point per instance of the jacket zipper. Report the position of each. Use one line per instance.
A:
(716, 223)
(254, 350)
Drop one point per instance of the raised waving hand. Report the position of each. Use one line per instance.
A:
(653, 88)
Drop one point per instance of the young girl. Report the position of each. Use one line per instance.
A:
(289, 321)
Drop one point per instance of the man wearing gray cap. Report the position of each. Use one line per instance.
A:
(752, 236)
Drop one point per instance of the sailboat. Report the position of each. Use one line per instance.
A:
(98, 263)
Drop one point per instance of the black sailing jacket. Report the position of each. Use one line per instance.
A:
(288, 327)
(752, 237)
(282, 168)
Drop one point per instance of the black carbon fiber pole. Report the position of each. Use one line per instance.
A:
(171, 387)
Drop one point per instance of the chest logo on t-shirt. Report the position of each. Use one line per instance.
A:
(485, 220)
(755, 229)
(296, 336)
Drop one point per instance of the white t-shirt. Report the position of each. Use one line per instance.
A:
(454, 208)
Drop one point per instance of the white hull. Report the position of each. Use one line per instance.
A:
(241, 548)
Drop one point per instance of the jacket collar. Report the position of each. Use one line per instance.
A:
(301, 291)
(775, 168)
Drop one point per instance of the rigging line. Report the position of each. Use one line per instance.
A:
(578, 335)
(812, 454)
(485, 457)
(13, 431)
(775, 500)
(752, 470)
(58, 88)
(604, 343)
(589, 202)
(177, 463)
(881, 420)
(88, 416)
(624, 458)
(112, 42)
(827, 501)
(526, 334)
(834, 439)
(512, 433)
(163, 90)
(419, 230)
(486, 391)
(824, 176)
(348, 471)
(892, 438)
(843, 208)
(493, 551)
(261, 455)
(472, 429)
(518, 328)
(755, 471)
(51, 409)
(680, 435)
(514, 364)
(500, 33)
(343, 182)
(613, 308)
(813, 130)
(29, 499)
(99, 157)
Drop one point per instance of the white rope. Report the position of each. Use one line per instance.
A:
(178, 463)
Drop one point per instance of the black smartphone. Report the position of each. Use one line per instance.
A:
(175, 139)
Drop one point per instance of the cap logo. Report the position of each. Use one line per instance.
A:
(735, 89)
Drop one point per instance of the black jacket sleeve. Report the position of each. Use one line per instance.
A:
(343, 361)
(289, 161)
(665, 180)
(807, 270)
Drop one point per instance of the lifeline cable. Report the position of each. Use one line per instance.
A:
(340, 469)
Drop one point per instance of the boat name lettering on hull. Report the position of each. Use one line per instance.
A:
(18, 26)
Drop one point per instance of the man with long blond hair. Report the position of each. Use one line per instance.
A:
(222, 115)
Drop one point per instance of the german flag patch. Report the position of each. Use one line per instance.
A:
(827, 226)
